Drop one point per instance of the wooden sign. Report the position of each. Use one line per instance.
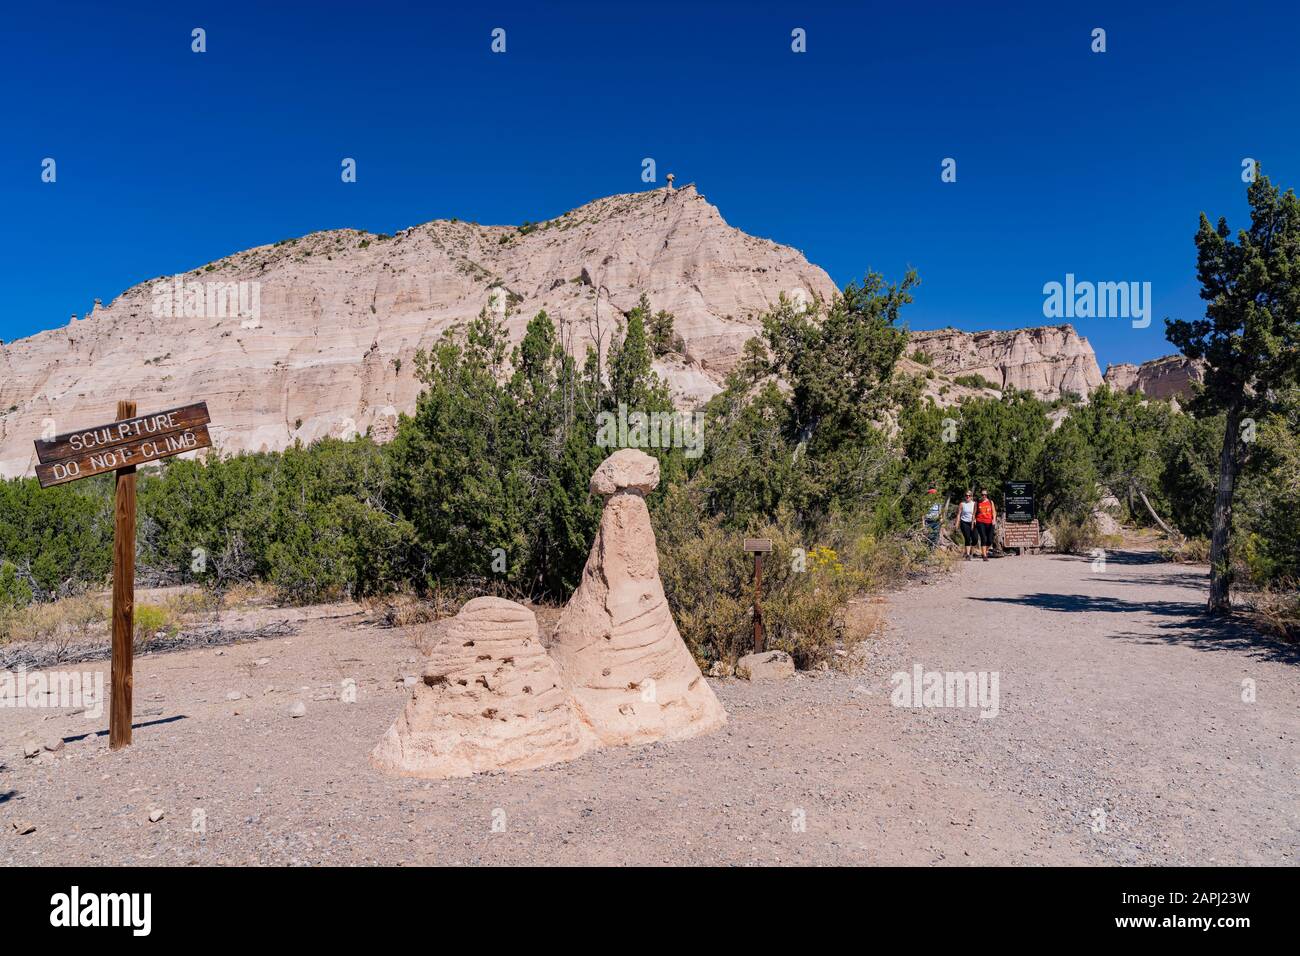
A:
(119, 447)
(760, 547)
(1022, 536)
(132, 442)
(140, 451)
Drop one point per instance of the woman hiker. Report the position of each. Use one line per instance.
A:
(966, 522)
(986, 517)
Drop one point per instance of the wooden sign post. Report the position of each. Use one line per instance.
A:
(759, 546)
(122, 680)
(119, 447)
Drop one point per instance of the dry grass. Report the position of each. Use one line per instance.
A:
(402, 610)
(60, 624)
(1187, 551)
(1073, 536)
(1276, 610)
(405, 609)
(87, 619)
(248, 594)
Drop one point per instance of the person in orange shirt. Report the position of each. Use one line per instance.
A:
(986, 516)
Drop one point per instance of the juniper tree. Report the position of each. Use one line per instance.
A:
(1250, 338)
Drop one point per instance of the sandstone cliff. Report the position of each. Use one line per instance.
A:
(342, 314)
(1173, 376)
(317, 336)
(1050, 361)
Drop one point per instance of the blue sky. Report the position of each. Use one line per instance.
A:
(1067, 160)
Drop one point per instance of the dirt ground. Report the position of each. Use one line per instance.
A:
(1121, 736)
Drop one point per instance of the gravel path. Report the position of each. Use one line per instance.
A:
(1113, 695)
(1118, 698)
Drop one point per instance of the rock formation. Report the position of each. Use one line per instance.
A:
(618, 673)
(1169, 377)
(490, 699)
(632, 678)
(341, 314)
(1050, 361)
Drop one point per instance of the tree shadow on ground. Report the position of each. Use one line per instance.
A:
(1123, 558)
(1186, 624)
(1207, 633)
(1177, 579)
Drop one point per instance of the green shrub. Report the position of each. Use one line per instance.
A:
(149, 620)
(1075, 535)
(14, 591)
(709, 582)
(976, 381)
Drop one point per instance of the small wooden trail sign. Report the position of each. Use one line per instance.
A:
(759, 547)
(119, 446)
(1022, 536)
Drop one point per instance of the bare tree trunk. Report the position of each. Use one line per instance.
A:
(1220, 573)
(1172, 532)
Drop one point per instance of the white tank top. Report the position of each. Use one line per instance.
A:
(968, 511)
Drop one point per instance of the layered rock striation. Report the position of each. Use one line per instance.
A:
(341, 314)
(489, 699)
(1169, 377)
(632, 678)
(1050, 361)
(618, 673)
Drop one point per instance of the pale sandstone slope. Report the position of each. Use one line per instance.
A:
(341, 321)
(1050, 361)
(1168, 377)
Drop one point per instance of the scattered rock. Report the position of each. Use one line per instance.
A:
(721, 669)
(31, 749)
(298, 709)
(54, 744)
(23, 827)
(766, 665)
(261, 662)
(234, 695)
(155, 815)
